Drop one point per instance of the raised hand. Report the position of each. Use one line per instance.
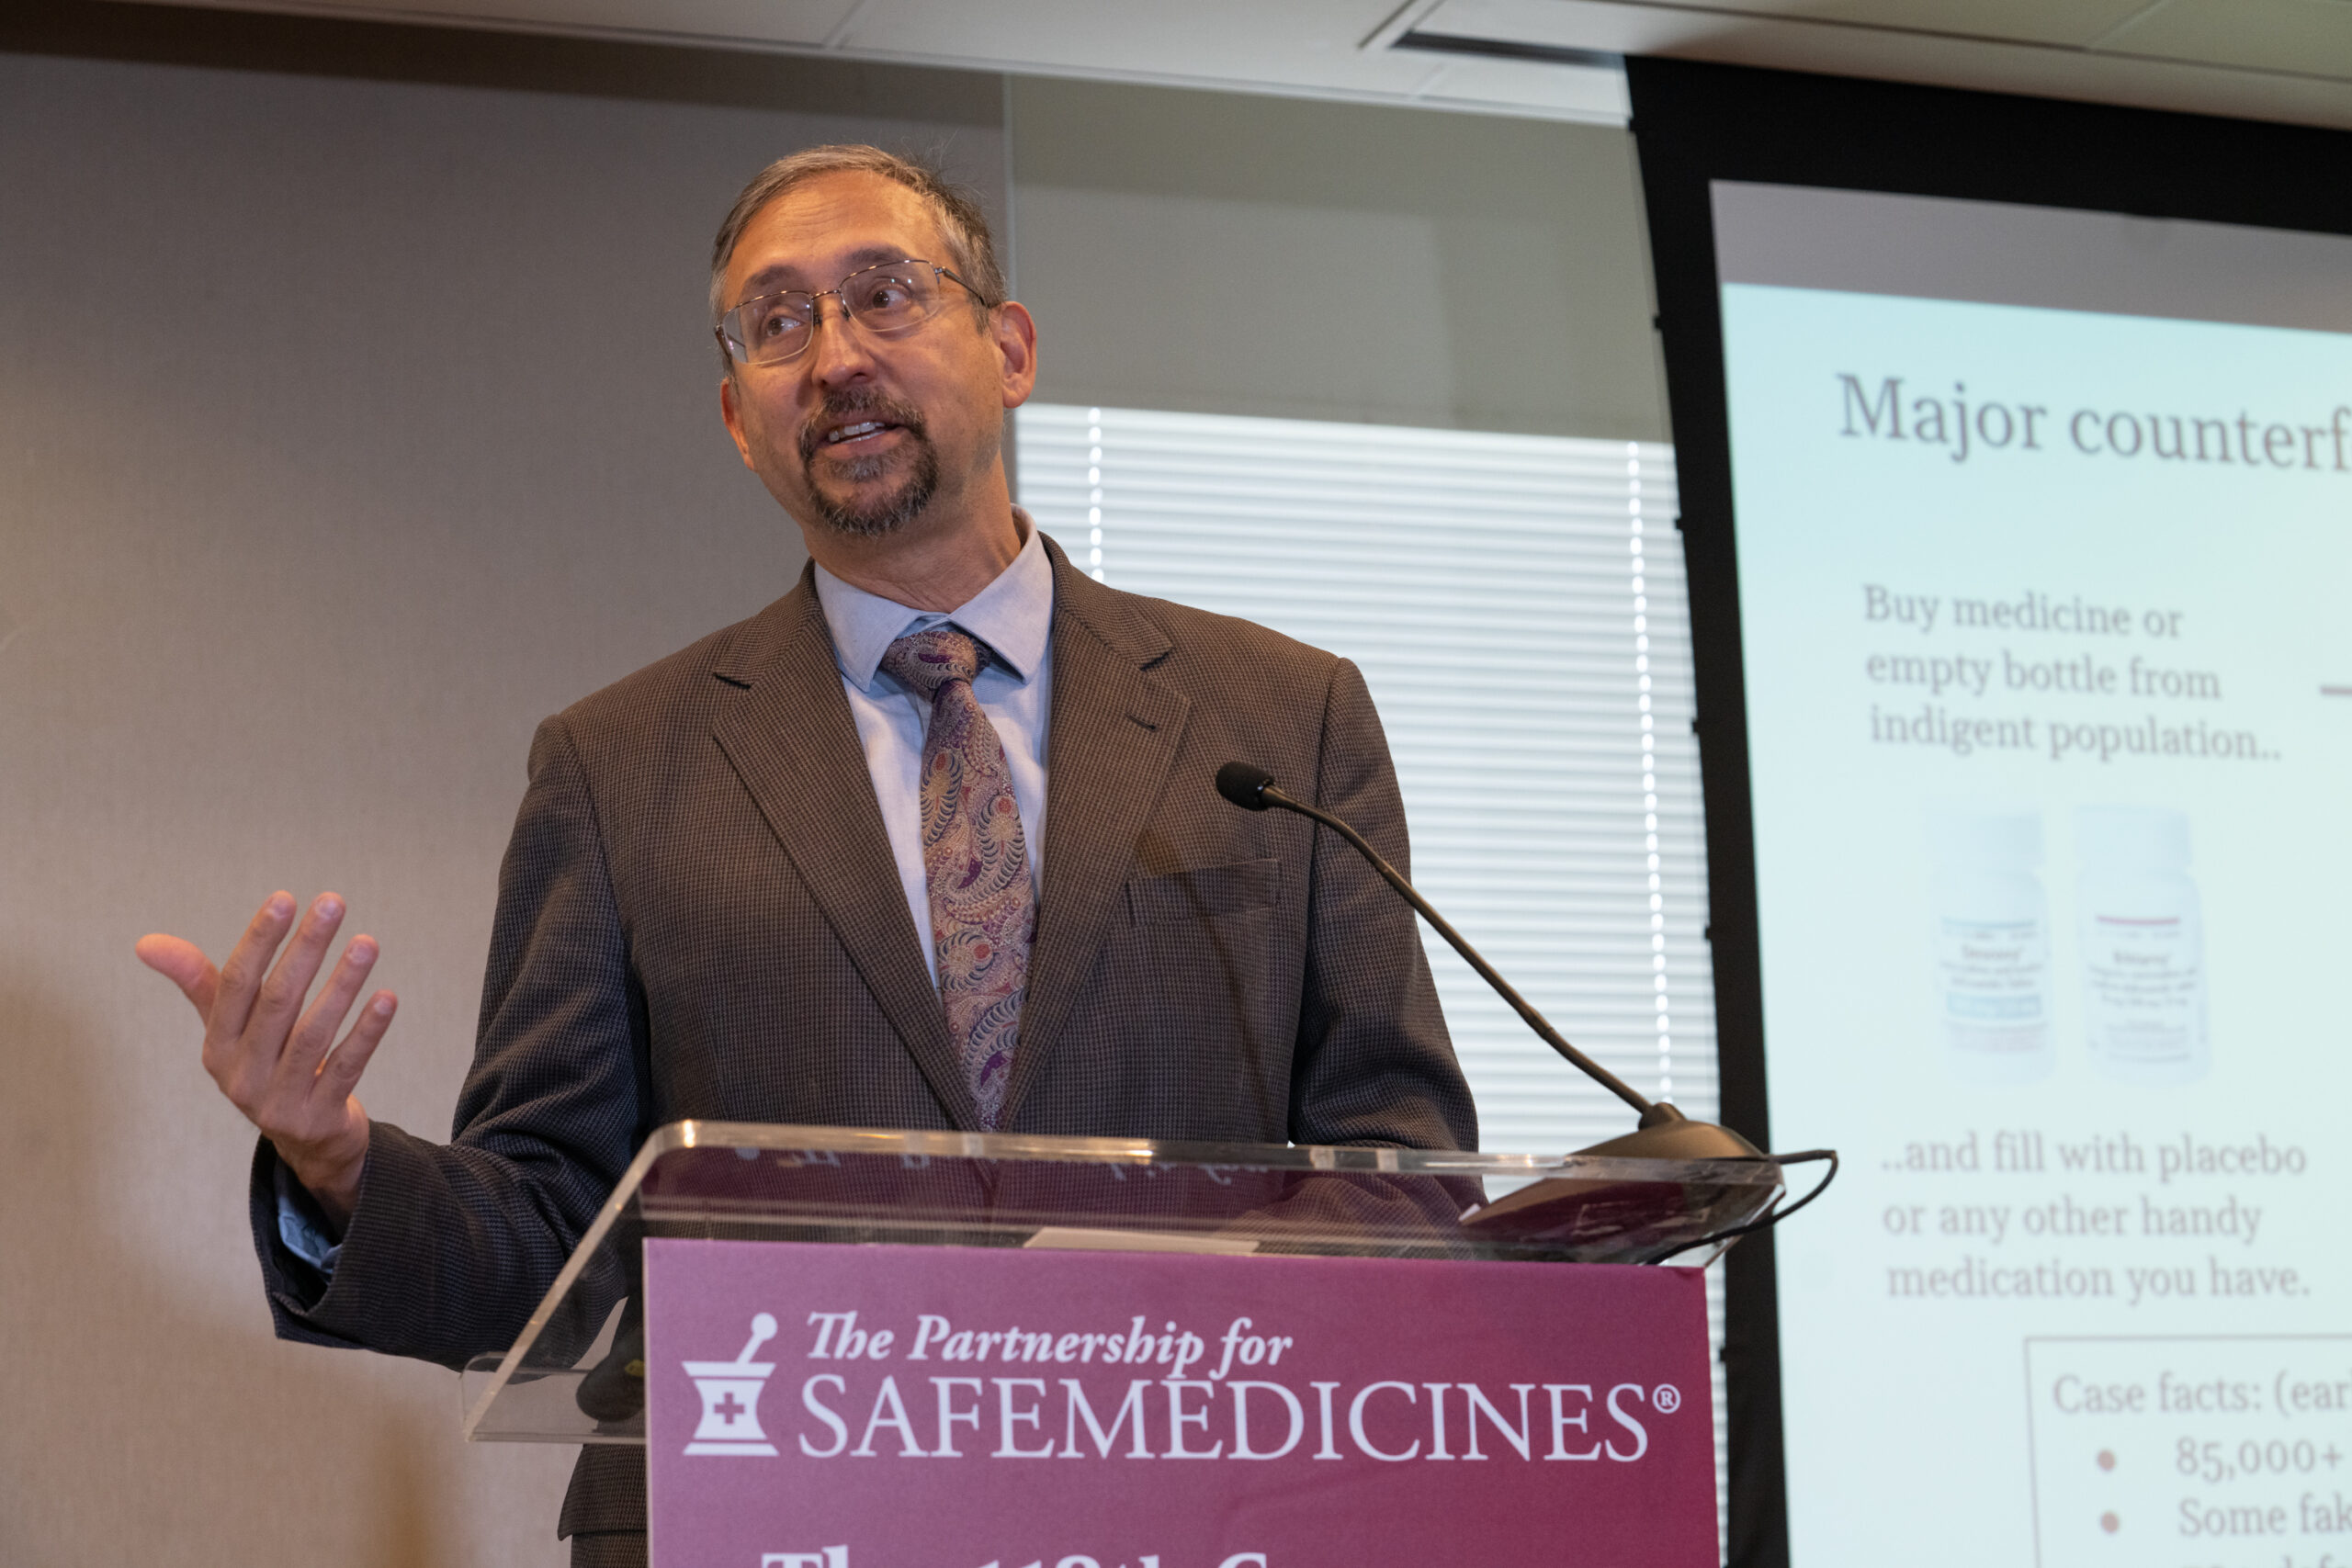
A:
(276, 1061)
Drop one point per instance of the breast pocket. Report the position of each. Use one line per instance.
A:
(1205, 892)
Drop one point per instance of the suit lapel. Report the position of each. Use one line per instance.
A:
(789, 736)
(1111, 741)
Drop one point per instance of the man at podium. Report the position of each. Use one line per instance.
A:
(929, 842)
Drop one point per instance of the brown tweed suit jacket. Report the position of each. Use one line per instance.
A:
(699, 915)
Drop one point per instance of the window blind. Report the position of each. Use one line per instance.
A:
(1518, 607)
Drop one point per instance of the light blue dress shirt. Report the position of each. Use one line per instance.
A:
(1013, 618)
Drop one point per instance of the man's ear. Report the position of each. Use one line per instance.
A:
(1015, 332)
(733, 417)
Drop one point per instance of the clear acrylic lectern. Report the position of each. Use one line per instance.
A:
(576, 1373)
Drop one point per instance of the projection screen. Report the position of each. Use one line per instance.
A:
(2043, 537)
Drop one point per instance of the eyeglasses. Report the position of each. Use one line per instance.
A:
(884, 300)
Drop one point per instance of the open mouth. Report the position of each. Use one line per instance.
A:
(865, 430)
(854, 430)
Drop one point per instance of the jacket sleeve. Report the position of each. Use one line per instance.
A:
(452, 1245)
(1373, 1064)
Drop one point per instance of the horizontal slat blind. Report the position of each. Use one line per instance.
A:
(1518, 607)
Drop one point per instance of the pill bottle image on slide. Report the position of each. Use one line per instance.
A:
(1990, 935)
(2142, 939)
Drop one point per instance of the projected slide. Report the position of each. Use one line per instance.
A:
(2044, 527)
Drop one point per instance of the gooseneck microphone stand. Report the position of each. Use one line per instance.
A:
(1663, 1133)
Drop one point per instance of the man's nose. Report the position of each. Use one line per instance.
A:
(841, 353)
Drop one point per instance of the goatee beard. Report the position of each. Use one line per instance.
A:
(887, 512)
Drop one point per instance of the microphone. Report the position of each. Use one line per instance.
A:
(1663, 1131)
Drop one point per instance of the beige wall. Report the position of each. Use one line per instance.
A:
(346, 427)
(1234, 254)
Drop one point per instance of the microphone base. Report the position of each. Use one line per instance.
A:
(1665, 1134)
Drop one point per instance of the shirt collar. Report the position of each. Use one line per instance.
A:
(1012, 616)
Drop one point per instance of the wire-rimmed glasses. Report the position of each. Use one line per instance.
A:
(885, 299)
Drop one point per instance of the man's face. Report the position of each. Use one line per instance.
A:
(865, 435)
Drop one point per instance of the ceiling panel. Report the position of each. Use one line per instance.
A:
(2307, 37)
(1576, 91)
(1309, 41)
(2108, 74)
(1295, 48)
(1311, 45)
(2284, 60)
(2071, 23)
(797, 23)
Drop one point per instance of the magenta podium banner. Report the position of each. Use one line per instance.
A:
(815, 1406)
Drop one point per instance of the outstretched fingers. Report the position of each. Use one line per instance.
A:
(280, 996)
(307, 1046)
(270, 1053)
(340, 1075)
(241, 972)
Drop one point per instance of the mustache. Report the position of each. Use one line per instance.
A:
(850, 403)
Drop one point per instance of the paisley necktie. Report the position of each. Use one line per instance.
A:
(983, 911)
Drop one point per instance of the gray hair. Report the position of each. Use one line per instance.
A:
(971, 252)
